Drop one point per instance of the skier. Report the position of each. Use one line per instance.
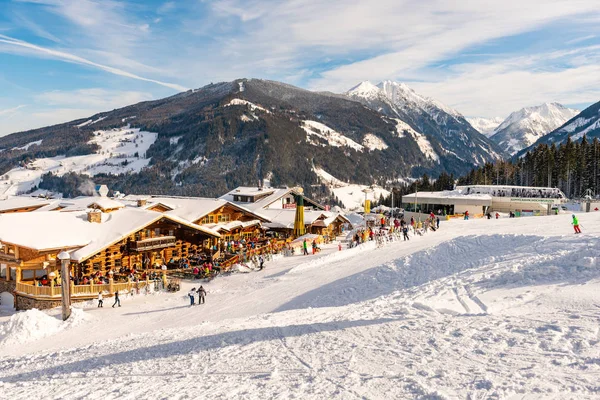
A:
(405, 232)
(261, 262)
(576, 224)
(497, 215)
(100, 301)
(437, 222)
(466, 215)
(201, 294)
(117, 300)
(191, 295)
(305, 247)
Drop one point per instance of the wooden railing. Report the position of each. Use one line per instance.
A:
(78, 290)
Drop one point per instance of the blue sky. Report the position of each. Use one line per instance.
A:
(67, 59)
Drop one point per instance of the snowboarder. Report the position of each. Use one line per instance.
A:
(261, 262)
(201, 294)
(576, 224)
(191, 295)
(405, 232)
(305, 247)
(117, 300)
(100, 301)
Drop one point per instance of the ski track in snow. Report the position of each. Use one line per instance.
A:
(473, 311)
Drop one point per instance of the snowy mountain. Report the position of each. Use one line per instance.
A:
(210, 140)
(524, 127)
(446, 131)
(485, 126)
(585, 123)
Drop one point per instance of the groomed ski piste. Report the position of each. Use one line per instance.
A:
(480, 309)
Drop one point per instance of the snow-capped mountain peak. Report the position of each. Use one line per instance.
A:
(365, 89)
(401, 94)
(485, 126)
(525, 126)
(447, 129)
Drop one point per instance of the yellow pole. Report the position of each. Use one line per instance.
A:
(299, 218)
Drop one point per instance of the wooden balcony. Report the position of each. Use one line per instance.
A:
(77, 291)
(153, 243)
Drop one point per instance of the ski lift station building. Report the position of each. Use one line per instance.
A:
(480, 199)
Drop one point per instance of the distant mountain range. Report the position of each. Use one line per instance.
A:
(585, 123)
(524, 127)
(445, 134)
(209, 140)
(485, 126)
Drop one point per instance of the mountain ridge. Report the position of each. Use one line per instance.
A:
(524, 127)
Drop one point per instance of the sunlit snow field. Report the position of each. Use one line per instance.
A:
(480, 309)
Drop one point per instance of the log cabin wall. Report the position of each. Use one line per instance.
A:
(223, 215)
(119, 255)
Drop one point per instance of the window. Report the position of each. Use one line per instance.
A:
(224, 218)
(207, 220)
(157, 232)
(171, 232)
(118, 263)
(96, 266)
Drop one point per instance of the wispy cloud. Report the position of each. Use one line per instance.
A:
(92, 98)
(10, 111)
(482, 57)
(61, 55)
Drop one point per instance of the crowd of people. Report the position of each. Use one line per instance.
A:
(517, 192)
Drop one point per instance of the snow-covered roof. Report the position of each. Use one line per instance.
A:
(285, 218)
(194, 208)
(68, 230)
(18, 202)
(448, 197)
(105, 203)
(233, 225)
(274, 194)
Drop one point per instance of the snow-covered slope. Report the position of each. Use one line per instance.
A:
(121, 150)
(351, 195)
(524, 127)
(329, 136)
(485, 126)
(472, 311)
(455, 139)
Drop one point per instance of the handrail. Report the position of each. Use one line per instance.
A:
(77, 290)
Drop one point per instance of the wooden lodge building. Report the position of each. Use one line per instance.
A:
(97, 241)
(104, 235)
(232, 221)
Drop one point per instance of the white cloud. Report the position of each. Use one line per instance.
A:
(502, 86)
(10, 111)
(64, 56)
(94, 98)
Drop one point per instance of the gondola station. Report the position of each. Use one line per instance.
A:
(479, 200)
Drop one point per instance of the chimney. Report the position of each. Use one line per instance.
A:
(94, 216)
(141, 202)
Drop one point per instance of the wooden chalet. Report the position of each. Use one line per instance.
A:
(232, 221)
(100, 244)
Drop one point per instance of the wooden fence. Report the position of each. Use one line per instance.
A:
(90, 290)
